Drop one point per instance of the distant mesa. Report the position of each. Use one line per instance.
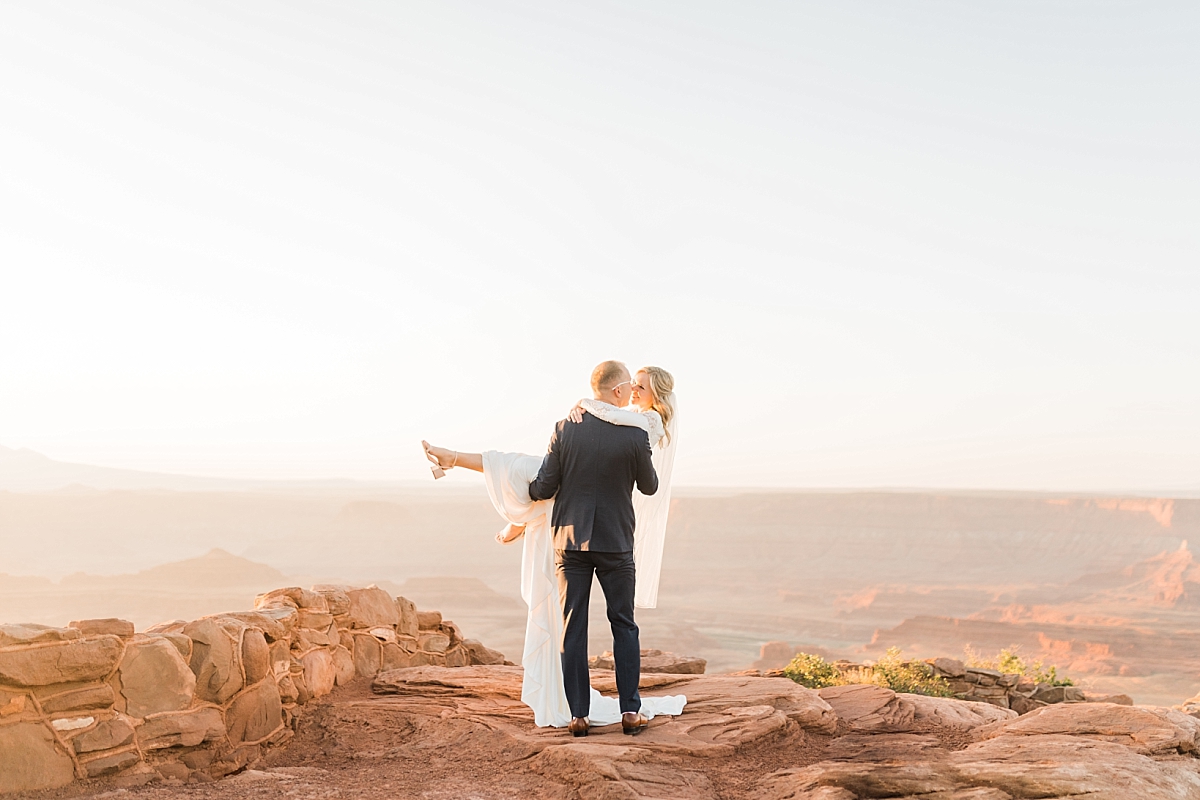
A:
(215, 569)
(24, 470)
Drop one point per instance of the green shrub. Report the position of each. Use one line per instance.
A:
(1010, 661)
(813, 672)
(891, 671)
(913, 677)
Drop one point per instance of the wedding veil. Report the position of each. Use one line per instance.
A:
(651, 512)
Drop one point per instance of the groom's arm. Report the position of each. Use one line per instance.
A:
(549, 476)
(647, 477)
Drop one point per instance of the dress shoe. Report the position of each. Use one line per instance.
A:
(633, 723)
(579, 726)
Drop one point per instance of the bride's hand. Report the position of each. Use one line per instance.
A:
(576, 413)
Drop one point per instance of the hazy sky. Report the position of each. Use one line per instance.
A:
(905, 244)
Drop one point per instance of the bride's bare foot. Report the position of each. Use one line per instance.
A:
(439, 455)
(510, 534)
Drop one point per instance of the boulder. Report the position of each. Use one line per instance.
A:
(68, 724)
(1118, 699)
(285, 615)
(109, 763)
(319, 672)
(293, 596)
(457, 656)
(108, 734)
(86, 698)
(343, 666)
(172, 770)
(433, 641)
(1058, 694)
(288, 693)
(281, 658)
(315, 620)
(154, 678)
(486, 682)
(452, 630)
(727, 693)
(86, 659)
(950, 714)
(866, 708)
(217, 657)
(254, 714)
(181, 728)
(656, 661)
(1023, 705)
(110, 625)
(383, 634)
(29, 633)
(395, 657)
(335, 598)
(303, 695)
(308, 639)
(479, 654)
(948, 667)
(268, 622)
(429, 620)
(368, 654)
(371, 608)
(423, 659)
(1150, 731)
(30, 759)
(181, 643)
(409, 624)
(256, 655)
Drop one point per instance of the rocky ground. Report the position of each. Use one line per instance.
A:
(430, 732)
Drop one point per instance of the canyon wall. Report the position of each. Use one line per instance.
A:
(198, 700)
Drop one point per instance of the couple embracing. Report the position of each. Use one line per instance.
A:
(578, 516)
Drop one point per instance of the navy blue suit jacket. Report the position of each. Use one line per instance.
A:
(590, 470)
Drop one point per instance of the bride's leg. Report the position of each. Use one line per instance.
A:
(451, 458)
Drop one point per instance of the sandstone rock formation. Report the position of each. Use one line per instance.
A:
(655, 661)
(198, 699)
(769, 739)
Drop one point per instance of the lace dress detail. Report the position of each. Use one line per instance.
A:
(649, 421)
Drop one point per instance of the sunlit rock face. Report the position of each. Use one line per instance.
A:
(197, 700)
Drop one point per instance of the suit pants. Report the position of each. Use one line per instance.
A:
(616, 574)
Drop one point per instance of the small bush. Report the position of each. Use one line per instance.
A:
(891, 671)
(813, 672)
(914, 677)
(1010, 661)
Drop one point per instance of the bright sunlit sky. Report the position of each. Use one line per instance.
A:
(939, 244)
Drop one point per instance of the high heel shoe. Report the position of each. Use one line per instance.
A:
(437, 469)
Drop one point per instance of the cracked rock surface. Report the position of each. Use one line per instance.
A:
(437, 732)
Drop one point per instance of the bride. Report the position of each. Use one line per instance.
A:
(508, 476)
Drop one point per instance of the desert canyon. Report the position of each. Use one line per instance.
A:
(1103, 587)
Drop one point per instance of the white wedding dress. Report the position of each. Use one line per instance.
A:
(508, 476)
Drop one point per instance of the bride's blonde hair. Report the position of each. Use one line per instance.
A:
(662, 394)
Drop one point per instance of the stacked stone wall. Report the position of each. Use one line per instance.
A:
(202, 699)
(1011, 690)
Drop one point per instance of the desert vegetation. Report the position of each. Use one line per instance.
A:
(892, 671)
(1010, 661)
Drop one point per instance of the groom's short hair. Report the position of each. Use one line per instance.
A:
(607, 375)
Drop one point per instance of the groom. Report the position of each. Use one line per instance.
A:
(590, 470)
